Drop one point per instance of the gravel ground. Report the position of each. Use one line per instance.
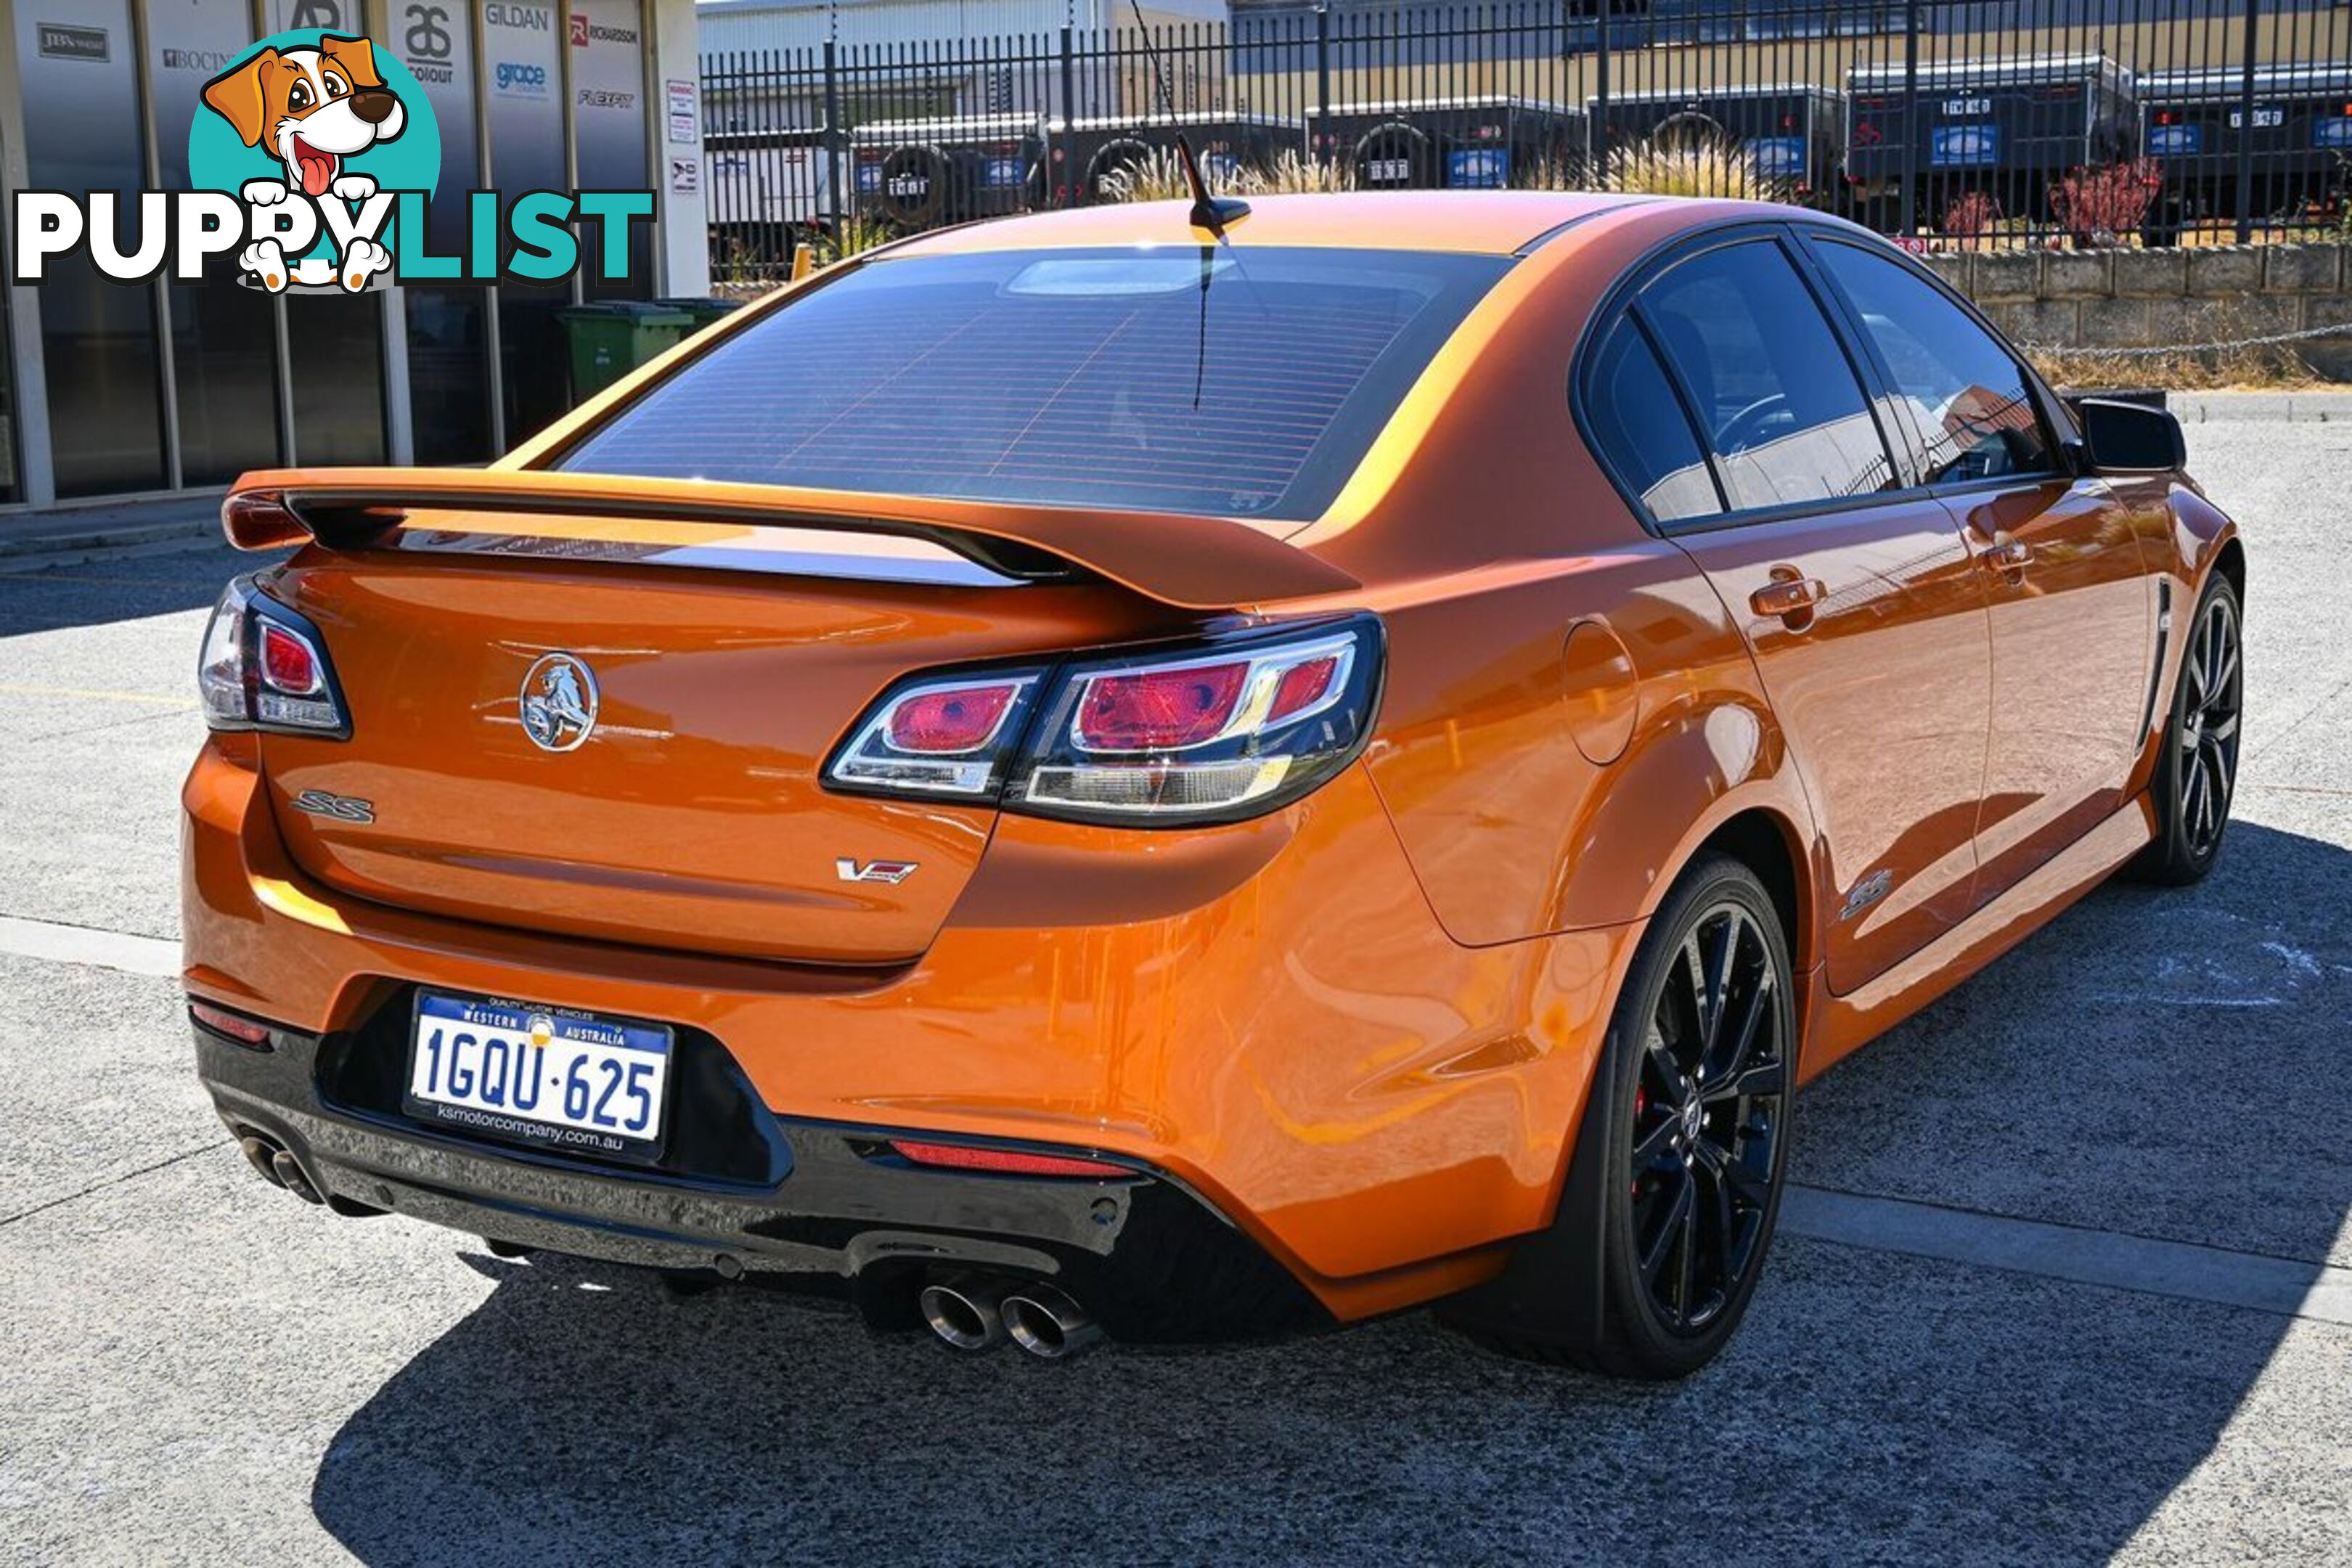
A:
(199, 1370)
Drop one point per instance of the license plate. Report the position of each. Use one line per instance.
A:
(547, 1076)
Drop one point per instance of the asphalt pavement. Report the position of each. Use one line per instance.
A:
(2065, 1278)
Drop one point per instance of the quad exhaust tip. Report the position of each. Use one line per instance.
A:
(966, 1313)
(978, 1312)
(1047, 1323)
(277, 1167)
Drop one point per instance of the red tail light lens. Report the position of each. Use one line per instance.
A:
(1303, 685)
(944, 736)
(265, 668)
(950, 720)
(289, 663)
(1159, 710)
(1006, 1161)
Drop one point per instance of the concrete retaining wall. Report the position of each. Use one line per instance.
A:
(2156, 299)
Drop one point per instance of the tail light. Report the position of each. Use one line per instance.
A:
(265, 668)
(1215, 731)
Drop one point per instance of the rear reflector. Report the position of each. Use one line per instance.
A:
(229, 1024)
(1006, 1161)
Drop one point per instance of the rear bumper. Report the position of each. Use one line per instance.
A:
(1264, 1019)
(822, 1207)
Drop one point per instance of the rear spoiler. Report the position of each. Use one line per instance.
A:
(1191, 562)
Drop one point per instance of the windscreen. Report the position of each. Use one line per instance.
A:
(1211, 380)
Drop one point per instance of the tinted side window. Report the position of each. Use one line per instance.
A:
(1967, 395)
(1780, 403)
(1640, 430)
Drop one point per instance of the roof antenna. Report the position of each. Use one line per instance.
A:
(1210, 212)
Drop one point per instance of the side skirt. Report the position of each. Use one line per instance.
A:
(1841, 1024)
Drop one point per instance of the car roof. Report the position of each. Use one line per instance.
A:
(1491, 223)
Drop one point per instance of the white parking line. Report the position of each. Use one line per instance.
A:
(2264, 1284)
(80, 944)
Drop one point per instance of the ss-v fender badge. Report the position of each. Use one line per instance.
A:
(892, 872)
(341, 807)
(1866, 892)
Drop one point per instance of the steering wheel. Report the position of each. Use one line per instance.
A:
(1742, 429)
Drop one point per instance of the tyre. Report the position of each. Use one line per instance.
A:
(2197, 770)
(1684, 1148)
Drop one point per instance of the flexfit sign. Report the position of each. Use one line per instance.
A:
(313, 161)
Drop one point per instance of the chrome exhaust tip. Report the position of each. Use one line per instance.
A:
(967, 1313)
(262, 1155)
(1047, 1323)
(290, 1176)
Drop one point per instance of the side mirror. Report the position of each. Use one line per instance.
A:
(2129, 439)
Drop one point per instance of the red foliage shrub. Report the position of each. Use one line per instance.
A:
(2099, 206)
(1971, 215)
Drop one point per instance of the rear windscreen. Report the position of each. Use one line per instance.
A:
(1217, 381)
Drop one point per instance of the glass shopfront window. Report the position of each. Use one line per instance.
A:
(448, 325)
(608, 125)
(83, 133)
(224, 334)
(336, 345)
(11, 443)
(522, 74)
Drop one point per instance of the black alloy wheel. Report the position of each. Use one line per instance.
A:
(2208, 732)
(2197, 770)
(1674, 1187)
(1709, 1107)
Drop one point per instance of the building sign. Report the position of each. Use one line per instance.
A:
(62, 41)
(685, 119)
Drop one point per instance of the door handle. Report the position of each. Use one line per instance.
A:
(1787, 596)
(2009, 555)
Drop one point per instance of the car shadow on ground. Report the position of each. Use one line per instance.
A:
(2149, 1064)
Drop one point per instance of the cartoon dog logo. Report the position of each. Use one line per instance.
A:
(312, 109)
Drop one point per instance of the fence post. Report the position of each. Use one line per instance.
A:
(1596, 130)
(2246, 126)
(1069, 173)
(1907, 222)
(1322, 123)
(836, 145)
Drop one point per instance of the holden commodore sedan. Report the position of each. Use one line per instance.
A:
(1168, 775)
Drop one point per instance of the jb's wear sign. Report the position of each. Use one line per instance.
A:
(313, 168)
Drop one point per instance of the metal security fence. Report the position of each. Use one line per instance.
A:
(1962, 122)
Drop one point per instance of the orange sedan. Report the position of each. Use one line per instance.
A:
(1181, 774)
